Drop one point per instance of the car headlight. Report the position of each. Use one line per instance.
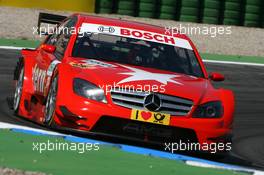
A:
(88, 90)
(209, 110)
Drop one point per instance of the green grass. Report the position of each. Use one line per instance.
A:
(19, 42)
(234, 58)
(239, 58)
(16, 152)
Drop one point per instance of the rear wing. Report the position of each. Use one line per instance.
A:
(49, 19)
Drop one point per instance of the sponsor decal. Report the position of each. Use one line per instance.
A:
(84, 64)
(106, 29)
(39, 76)
(80, 65)
(137, 34)
(142, 75)
(151, 117)
(147, 129)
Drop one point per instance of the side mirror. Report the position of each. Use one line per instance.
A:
(214, 76)
(48, 48)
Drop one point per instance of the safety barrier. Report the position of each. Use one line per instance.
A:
(228, 12)
(65, 5)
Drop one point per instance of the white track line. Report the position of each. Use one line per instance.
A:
(188, 162)
(206, 165)
(207, 61)
(13, 126)
(233, 62)
(14, 48)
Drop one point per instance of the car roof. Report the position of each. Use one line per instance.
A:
(126, 23)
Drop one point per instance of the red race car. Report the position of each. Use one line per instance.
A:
(122, 78)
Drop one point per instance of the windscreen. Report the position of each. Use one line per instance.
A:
(137, 52)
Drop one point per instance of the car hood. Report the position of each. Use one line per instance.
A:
(109, 75)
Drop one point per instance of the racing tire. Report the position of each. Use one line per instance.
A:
(146, 1)
(232, 14)
(210, 20)
(190, 3)
(168, 2)
(211, 13)
(236, 1)
(50, 105)
(105, 10)
(253, 9)
(189, 11)
(188, 18)
(18, 89)
(212, 4)
(232, 6)
(126, 5)
(105, 3)
(166, 16)
(126, 12)
(147, 7)
(228, 21)
(253, 2)
(248, 23)
(167, 9)
(251, 17)
(146, 14)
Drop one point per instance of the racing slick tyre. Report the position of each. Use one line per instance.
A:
(210, 20)
(234, 1)
(228, 21)
(51, 102)
(166, 16)
(211, 4)
(188, 18)
(253, 2)
(146, 14)
(253, 9)
(190, 3)
(233, 6)
(147, 7)
(249, 23)
(105, 3)
(168, 2)
(126, 12)
(251, 17)
(126, 5)
(167, 9)
(147, 1)
(105, 10)
(232, 14)
(19, 89)
(189, 11)
(211, 12)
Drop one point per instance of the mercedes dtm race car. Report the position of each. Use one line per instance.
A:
(122, 78)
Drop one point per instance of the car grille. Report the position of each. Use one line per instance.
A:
(176, 106)
(140, 130)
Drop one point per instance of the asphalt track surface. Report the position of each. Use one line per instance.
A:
(247, 82)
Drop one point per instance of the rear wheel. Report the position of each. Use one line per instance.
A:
(51, 102)
(18, 90)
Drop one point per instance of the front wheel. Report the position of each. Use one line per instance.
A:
(51, 102)
(18, 90)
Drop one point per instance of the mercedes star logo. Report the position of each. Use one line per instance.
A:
(152, 102)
